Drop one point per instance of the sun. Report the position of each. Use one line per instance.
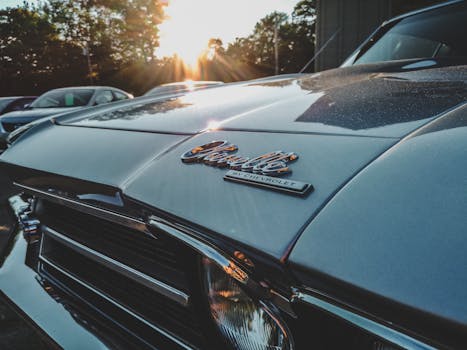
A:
(182, 34)
(189, 54)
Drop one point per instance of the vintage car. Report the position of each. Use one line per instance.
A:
(322, 212)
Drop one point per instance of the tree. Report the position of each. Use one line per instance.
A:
(295, 41)
(42, 47)
(140, 32)
(113, 32)
(300, 35)
(305, 11)
(31, 52)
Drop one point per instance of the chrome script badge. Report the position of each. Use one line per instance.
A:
(261, 171)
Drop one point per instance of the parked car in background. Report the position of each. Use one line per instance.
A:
(182, 86)
(58, 101)
(15, 103)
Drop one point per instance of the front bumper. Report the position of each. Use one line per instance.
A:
(67, 313)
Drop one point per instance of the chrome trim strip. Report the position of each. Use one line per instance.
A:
(280, 323)
(137, 276)
(386, 333)
(88, 209)
(224, 261)
(227, 264)
(113, 302)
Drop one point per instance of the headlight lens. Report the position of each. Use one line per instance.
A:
(247, 324)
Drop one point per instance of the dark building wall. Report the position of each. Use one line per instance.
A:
(354, 21)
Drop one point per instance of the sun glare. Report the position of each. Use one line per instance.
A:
(181, 35)
(190, 84)
(191, 23)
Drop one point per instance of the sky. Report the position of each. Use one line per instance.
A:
(192, 23)
(6, 3)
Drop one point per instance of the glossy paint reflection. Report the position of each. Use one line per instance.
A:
(191, 112)
(374, 103)
(422, 183)
(385, 99)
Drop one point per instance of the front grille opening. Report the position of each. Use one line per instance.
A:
(143, 336)
(161, 258)
(156, 309)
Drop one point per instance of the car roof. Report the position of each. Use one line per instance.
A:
(90, 87)
(15, 97)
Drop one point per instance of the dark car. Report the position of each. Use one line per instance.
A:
(12, 104)
(182, 86)
(58, 101)
(327, 211)
(15, 103)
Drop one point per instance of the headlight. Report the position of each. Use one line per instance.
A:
(246, 323)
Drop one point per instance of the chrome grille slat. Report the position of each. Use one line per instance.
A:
(155, 285)
(124, 286)
(113, 302)
(144, 273)
(122, 237)
(157, 258)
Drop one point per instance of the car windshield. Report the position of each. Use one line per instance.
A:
(64, 98)
(438, 33)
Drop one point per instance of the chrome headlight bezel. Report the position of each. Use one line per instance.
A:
(264, 318)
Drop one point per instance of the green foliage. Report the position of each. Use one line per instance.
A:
(126, 30)
(140, 32)
(295, 41)
(53, 45)
(31, 52)
(304, 11)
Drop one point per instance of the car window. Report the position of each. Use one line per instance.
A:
(436, 33)
(4, 102)
(18, 105)
(63, 98)
(118, 96)
(104, 97)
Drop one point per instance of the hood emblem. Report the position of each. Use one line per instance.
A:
(262, 171)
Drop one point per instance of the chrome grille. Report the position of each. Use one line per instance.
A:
(156, 257)
(142, 274)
